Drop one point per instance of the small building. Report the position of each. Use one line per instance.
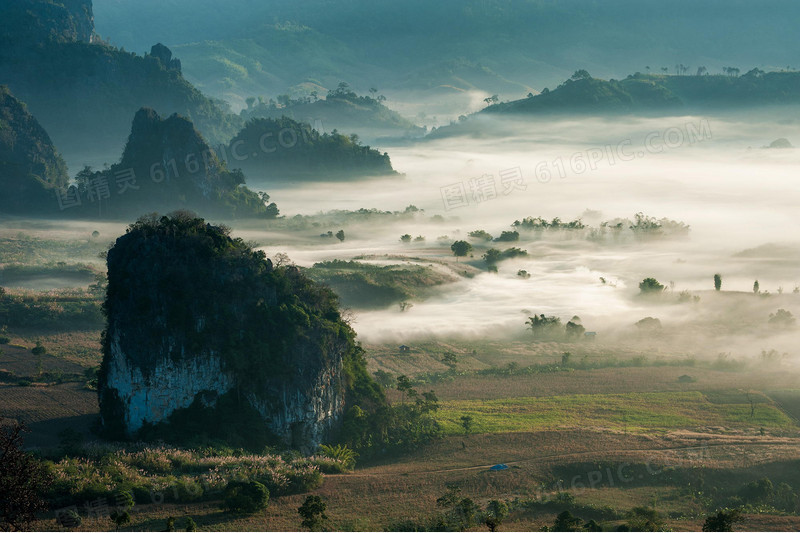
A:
(404, 348)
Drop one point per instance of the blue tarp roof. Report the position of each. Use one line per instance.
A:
(500, 466)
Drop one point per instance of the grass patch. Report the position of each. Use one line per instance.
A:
(633, 412)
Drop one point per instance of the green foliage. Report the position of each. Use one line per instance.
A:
(191, 525)
(508, 236)
(717, 282)
(651, 286)
(566, 522)
(313, 512)
(340, 453)
(23, 480)
(120, 517)
(364, 285)
(286, 148)
(722, 520)
(496, 512)
(645, 519)
(480, 235)
(29, 163)
(461, 248)
(202, 268)
(245, 497)
(38, 349)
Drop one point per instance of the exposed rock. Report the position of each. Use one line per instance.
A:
(195, 316)
(30, 167)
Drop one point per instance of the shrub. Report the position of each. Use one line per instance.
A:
(245, 497)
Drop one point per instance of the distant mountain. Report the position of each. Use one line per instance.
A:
(656, 93)
(341, 109)
(83, 91)
(166, 165)
(238, 48)
(31, 170)
(284, 149)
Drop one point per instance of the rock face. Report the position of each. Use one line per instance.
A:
(198, 321)
(30, 167)
(168, 165)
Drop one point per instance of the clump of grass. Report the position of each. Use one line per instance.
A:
(161, 473)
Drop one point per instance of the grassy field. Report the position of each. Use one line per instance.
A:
(637, 412)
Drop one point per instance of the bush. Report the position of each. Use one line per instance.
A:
(245, 497)
(4, 340)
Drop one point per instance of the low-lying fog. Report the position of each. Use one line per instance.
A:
(740, 200)
(712, 174)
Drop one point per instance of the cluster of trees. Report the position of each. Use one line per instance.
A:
(540, 224)
(395, 428)
(550, 328)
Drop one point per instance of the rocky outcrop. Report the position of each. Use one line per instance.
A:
(30, 167)
(168, 165)
(195, 316)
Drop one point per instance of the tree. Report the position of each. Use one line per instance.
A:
(581, 74)
(782, 318)
(496, 513)
(404, 386)
(480, 234)
(650, 286)
(121, 515)
(340, 235)
(466, 423)
(756, 288)
(23, 480)
(313, 512)
(491, 100)
(191, 525)
(245, 497)
(717, 282)
(645, 519)
(722, 520)
(39, 349)
(405, 238)
(492, 256)
(120, 518)
(450, 359)
(566, 522)
(460, 249)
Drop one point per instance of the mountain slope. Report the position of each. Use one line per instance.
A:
(30, 168)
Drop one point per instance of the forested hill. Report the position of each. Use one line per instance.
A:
(281, 149)
(30, 167)
(341, 109)
(656, 93)
(510, 47)
(85, 92)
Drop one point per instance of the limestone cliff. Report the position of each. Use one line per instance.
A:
(201, 326)
(168, 165)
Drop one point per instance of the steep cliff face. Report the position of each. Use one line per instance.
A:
(198, 322)
(30, 167)
(168, 165)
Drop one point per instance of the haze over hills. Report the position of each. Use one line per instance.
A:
(85, 92)
(510, 47)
